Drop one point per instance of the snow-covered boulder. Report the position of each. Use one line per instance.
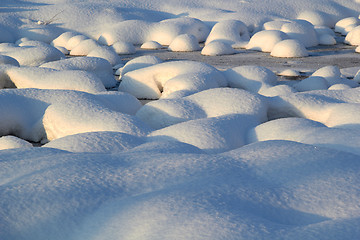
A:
(251, 78)
(289, 48)
(274, 25)
(332, 74)
(343, 25)
(151, 45)
(148, 82)
(312, 83)
(96, 142)
(316, 17)
(10, 142)
(265, 40)
(353, 37)
(233, 32)
(301, 30)
(205, 104)
(107, 53)
(184, 43)
(137, 63)
(98, 66)
(217, 48)
(45, 78)
(62, 40)
(84, 47)
(74, 41)
(32, 55)
(122, 47)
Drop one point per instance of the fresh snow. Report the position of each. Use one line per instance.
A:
(179, 120)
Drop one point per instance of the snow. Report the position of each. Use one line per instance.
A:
(184, 43)
(265, 40)
(217, 48)
(289, 48)
(200, 138)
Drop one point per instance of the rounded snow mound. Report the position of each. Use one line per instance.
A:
(250, 78)
(217, 48)
(316, 17)
(107, 53)
(10, 142)
(151, 45)
(152, 82)
(98, 66)
(138, 63)
(184, 43)
(289, 48)
(233, 32)
(84, 47)
(312, 83)
(266, 40)
(353, 37)
(122, 48)
(301, 30)
(209, 103)
(344, 24)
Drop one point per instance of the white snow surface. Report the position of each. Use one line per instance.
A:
(206, 153)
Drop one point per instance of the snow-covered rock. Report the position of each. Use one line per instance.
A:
(312, 83)
(107, 53)
(84, 47)
(121, 48)
(289, 48)
(98, 66)
(151, 45)
(184, 43)
(10, 142)
(266, 40)
(139, 62)
(301, 30)
(342, 25)
(217, 48)
(318, 18)
(251, 78)
(352, 38)
(233, 32)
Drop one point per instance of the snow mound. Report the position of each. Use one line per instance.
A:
(32, 55)
(74, 41)
(10, 142)
(308, 132)
(233, 32)
(277, 90)
(139, 62)
(184, 43)
(312, 83)
(352, 38)
(84, 47)
(148, 82)
(163, 32)
(43, 33)
(212, 135)
(96, 142)
(151, 45)
(332, 74)
(265, 40)
(318, 18)
(289, 48)
(208, 103)
(98, 66)
(339, 86)
(121, 48)
(217, 48)
(326, 39)
(106, 111)
(107, 53)
(342, 25)
(8, 61)
(45, 78)
(301, 30)
(62, 40)
(250, 78)
(274, 25)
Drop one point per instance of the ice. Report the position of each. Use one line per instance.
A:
(289, 48)
(45, 78)
(265, 40)
(98, 66)
(184, 43)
